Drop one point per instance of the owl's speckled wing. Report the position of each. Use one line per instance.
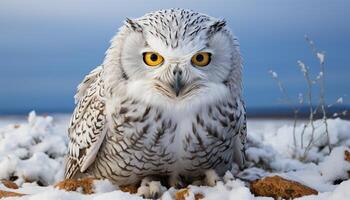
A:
(239, 148)
(86, 131)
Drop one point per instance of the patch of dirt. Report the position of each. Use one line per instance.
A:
(132, 189)
(347, 155)
(347, 158)
(16, 126)
(183, 193)
(278, 187)
(9, 184)
(4, 194)
(198, 196)
(74, 184)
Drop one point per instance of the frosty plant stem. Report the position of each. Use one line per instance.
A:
(289, 102)
(321, 107)
(321, 80)
(306, 74)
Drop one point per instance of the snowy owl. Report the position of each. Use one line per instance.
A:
(165, 104)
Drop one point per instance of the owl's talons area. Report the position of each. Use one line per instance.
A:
(228, 177)
(150, 188)
(211, 178)
(176, 182)
(86, 184)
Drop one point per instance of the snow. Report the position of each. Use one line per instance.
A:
(319, 76)
(342, 192)
(235, 188)
(25, 147)
(301, 98)
(303, 67)
(103, 186)
(32, 153)
(340, 100)
(320, 57)
(273, 74)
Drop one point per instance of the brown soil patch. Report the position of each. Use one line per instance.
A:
(4, 194)
(132, 189)
(9, 184)
(74, 184)
(347, 155)
(198, 196)
(16, 126)
(278, 187)
(183, 193)
(347, 158)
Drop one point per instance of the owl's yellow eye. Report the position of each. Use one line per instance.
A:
(152, 59)
(201, 59)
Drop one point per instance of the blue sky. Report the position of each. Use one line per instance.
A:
(46, 47)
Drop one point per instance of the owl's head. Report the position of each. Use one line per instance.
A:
(175, 55)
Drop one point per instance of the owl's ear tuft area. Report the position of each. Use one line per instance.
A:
(133, 25)
(216, 26)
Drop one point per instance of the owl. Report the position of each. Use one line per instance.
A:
(165, 106)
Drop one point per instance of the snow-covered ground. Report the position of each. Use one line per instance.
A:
(32, 151)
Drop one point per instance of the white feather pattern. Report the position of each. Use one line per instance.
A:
(129, 123)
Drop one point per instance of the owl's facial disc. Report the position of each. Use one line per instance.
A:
(179, 60)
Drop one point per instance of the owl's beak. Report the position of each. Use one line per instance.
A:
(178, 84)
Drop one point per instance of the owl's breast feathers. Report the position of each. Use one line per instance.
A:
(134, 139)
(146, 140)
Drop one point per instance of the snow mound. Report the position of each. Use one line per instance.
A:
(271, 150)
(33, 151)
